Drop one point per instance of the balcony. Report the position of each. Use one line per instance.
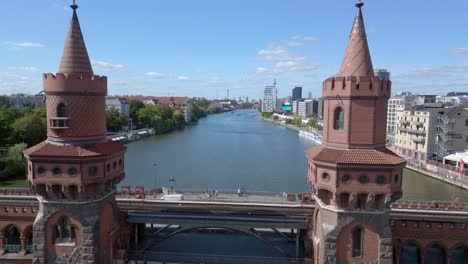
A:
(418, 139)
(58, 122)
(417, 131)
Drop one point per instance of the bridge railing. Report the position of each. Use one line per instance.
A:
(208, 258)
(430, 205)
(224, 195)
(16, 191)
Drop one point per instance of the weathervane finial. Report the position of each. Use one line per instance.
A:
(74, 6)
(359, 4)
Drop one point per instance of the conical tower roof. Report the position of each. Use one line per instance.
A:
(357, 60)
(75, 57)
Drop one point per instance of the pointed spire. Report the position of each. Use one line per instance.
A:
(357, 60)
(75, 56)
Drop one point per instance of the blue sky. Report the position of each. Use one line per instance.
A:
(204, 47)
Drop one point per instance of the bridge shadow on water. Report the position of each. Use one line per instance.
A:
(216, 245)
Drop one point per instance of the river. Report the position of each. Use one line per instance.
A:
(232, 150)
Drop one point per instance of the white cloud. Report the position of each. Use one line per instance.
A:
(197, 71)
(261, 70)
(25, 44)
(107, 66)
(183, 78)
(278, 53)
(295, 44)
(435, 71)
(304, 38)
(23, 68)
(460, 51)
(155, 75)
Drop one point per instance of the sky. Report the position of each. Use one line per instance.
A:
(203, 48)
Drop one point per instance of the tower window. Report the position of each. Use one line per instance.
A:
(62, 110)
(357, 242)
(338, 119)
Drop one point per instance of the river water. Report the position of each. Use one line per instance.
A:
(232, 150)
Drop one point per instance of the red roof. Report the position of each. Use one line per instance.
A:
(354, 156)
(86, 150)
(178, 100)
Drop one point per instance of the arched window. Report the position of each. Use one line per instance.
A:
(435, 255)
(13, 244)
(410, 253)
(64, 232)
(338, 119)
(460, 255)
(62, 110)
(357, 242)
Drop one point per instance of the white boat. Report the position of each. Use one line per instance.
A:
(313, 135)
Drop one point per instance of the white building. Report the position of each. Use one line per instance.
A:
(269, 98)
(393, 104)
(118, 103)
(305, 108)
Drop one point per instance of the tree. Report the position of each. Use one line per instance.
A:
(275, 118)
(314, 124)
(15, 163)
(7, 118)
(288, 121)
(179, 119)
(135, 106)
(296, 122)
(115, 119)
(246, 105)
(31, 128)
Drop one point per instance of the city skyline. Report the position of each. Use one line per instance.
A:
(185, 53)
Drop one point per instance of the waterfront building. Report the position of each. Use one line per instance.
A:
(297, 93)
(393, 104)
(354, 178)
(75, 171)
(452, 131)
(269, 98)
(415, 135)
(119, 103)
(304, 108)
(426, 133)
(295, 107)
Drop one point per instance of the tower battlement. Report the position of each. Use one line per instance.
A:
(356, 86)
(75, 83)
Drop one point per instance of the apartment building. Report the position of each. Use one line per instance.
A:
(416, 132)
(452, 132)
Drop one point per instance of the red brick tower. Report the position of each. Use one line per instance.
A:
(74, 172)
(353, 176)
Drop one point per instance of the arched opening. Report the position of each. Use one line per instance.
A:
(338, 118)
(434, 255)
(459, 255)
(64, 232)
(62, 110)
(357, 242)
(13, 242)
(410, 254)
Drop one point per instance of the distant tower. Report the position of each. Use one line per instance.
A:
(297, 93)
(309, 96)
(227, 94)
(353, 176)
(74, 172)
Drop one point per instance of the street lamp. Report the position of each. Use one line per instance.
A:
(155, 186)
(172, 179)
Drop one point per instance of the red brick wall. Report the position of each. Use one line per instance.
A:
(370, 244)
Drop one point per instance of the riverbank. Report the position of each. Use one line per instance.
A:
(279, 123)
(438, 177)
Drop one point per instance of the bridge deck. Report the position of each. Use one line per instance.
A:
(212, 220)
